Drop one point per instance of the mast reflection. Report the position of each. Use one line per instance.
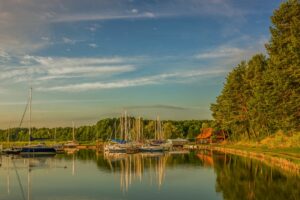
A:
(132, 167)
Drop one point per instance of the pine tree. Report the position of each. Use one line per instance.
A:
(231, 110)
(283, 76)
(256, 101)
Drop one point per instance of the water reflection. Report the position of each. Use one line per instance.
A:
(134, 166)
(244, 178)
(232, 177)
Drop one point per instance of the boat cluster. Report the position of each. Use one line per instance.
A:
(120, 146)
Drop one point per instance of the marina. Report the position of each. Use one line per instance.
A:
(149, 100)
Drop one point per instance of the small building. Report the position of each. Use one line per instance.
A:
(209, 135)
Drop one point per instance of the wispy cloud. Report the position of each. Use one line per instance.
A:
(47, 68)
(4, 56)
(97, 17)
(171, 107)
(134, 82)
(221, 52)
(94, 27)
(93, 45)
(234, 51)
(67, 40)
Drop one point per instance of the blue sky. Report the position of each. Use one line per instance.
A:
(92, 59)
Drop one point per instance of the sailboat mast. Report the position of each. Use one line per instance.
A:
(126, 125)
(121, 126)
(73, 131)
(155, 127)
(8, 132)
(139, 128)
(55, 134)
(30, 99)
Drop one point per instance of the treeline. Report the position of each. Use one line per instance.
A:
(262, 96)
(109, 128)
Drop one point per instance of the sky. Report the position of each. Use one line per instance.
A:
(93, 59)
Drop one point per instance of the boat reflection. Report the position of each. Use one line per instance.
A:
(132, 167)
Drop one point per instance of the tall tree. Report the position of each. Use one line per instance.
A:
(284, 67)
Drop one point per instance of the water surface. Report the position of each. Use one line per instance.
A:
(88, 175)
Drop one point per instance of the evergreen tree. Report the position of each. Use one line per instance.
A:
(263, 96)
(283, 75)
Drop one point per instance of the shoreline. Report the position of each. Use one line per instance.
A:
(267, 157)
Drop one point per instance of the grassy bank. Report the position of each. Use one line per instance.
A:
(278, 145)
(279, 150)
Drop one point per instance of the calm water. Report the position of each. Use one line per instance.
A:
(196, 175)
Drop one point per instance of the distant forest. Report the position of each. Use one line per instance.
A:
(109, 128)
(262, 96)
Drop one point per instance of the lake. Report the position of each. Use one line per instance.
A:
(87, 175)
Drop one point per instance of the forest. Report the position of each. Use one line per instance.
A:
(261, 96)
(108, 128)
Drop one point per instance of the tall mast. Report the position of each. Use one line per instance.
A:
(8, 132)
(30, 100)
(139, 128)
(73, 131)
(121, 126)
(155, 128)
(55, 134)
(126, 125)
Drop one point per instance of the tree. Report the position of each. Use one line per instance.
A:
(284, 67)
(262, 96)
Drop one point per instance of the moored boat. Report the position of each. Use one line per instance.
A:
(38, 149)
(149, 148)
(116, 148)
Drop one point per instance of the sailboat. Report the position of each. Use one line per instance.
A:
(154, 146)
(35, 149)
(118, 146)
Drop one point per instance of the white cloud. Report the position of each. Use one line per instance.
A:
(233, 52)
(94, 27)
(134, 10)
(148, 80)
(149, 14)
(45, 38)
(93, 45)
(90, 70)
(221, 52)
(96, 16)
(4, 56)
(68, 40)
(40, 68)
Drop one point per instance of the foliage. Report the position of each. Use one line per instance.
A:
(109, 128)
(261, 96)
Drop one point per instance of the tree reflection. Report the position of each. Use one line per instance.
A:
(244, 178)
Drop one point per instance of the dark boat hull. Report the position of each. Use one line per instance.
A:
(38, 150)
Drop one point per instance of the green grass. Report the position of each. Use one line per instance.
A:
(290, 153)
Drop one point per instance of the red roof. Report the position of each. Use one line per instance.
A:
(206, 133)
